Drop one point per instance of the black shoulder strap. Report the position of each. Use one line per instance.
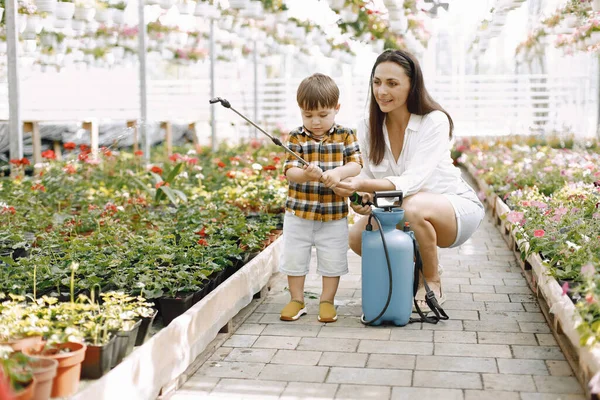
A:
(429, 295)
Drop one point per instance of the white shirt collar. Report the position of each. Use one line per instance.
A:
(414, 122)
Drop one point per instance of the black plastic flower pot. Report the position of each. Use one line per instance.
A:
(200, 294)
(124, 343)
(98, 360)
(145, 325)
(172, 308)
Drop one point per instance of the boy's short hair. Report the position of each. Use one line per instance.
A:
(317, 90)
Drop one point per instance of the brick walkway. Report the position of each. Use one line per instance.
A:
(496, 344)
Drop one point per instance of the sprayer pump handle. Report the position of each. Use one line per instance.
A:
(356, 198)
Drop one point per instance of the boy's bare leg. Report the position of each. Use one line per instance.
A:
(296, 284)
(330, 287)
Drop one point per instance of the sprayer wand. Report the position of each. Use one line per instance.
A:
(275, 140)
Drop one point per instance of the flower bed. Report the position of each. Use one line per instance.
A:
(547, 202)
(172, 232)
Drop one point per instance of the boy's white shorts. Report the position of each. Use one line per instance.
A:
(329, 238)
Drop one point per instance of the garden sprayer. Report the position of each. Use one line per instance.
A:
(391, 262)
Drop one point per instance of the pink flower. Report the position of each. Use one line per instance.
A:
(565, 288)
(515, 217)
(589, 298)
(539, 204)
(525, 203)
(539, 233)
(588, 270)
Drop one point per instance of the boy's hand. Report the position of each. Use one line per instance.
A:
(330, 178)
(313, 172)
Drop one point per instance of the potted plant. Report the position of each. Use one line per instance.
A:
(69, 357)
(44, 371)
(14, 365)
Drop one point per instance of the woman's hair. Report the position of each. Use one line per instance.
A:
(418, 102)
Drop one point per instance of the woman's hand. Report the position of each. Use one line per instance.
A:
(346, 187)
(359, 208)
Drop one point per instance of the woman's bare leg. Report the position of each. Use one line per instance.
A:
(433, 221)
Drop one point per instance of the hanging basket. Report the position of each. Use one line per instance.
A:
(46, 6)
(64, 10)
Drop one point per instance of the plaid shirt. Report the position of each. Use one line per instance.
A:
(312, 200)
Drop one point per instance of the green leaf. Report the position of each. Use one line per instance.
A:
(169, 192)
(181, 195)
(142, 185)
(174, 172)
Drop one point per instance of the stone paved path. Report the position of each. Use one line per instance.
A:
(497, 344)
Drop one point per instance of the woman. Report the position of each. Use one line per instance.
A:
(405, 144)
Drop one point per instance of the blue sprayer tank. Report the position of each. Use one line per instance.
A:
(375, 275)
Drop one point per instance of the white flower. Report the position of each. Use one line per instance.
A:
(257, 167)
(572, 245)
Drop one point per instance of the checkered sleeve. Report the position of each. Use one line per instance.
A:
(294, 145)
(351, 149)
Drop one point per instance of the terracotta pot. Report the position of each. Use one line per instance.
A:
(23, 343)
(66, 381)
(44, 370)
(27, 393)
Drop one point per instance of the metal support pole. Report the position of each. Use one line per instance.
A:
(15, 126)
(213, 122)
(143, 82)
(255, 56)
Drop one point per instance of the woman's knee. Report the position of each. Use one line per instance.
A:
(355, 240)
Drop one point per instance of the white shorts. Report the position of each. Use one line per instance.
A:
(329, 238)
(469, 215)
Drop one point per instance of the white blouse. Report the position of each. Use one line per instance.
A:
(424, 163)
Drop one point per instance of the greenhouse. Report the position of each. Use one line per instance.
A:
(299, 199)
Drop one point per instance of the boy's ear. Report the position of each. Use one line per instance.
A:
(337, 108)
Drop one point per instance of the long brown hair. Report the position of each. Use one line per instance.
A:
(419, 101)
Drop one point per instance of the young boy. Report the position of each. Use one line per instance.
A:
(315, 215)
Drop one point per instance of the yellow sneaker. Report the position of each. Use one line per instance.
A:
(327, 311)
(292, 311)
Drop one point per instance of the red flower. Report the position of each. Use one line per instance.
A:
(69, 169)
(38, 186)
(221, 164)
(25, 161)
(15, 161)
(156, 170)
(84, 147)
(539, 233)
(175, 157)
(49, 154)
(231, 174)
(8, 210)
(203, 242)
(201, 232)
(192, 161)
(276, 159)
(269, 167)
(162, 183)
(83, 157)
(138, 153)
(106, 152)
(69, 146)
